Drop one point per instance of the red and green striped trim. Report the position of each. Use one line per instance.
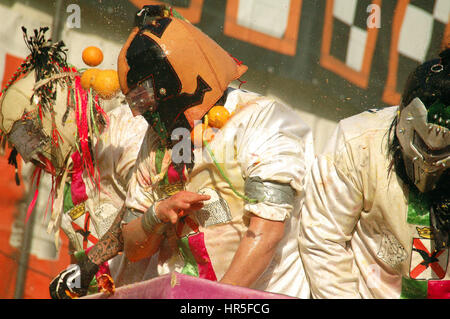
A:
(425, 289)
(196, 259)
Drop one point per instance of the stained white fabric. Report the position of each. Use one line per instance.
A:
(355, 239)
(116, 149)
(265, 139)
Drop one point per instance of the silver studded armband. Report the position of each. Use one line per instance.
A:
(268, 191)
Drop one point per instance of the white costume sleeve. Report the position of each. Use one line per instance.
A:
(275, 145)
(126, 133)
(333, 205)
(140, 190)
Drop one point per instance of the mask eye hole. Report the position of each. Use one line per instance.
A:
(141, 98)
(426, 151)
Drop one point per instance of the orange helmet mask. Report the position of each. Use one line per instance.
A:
(171, 72)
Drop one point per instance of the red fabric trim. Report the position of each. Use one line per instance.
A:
(438, 289)
(33, 202)
(183, 221)
(191, 224)
(84, 231)
(200, 253)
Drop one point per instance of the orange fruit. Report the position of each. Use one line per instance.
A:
(201, 130)
(218, 116)
(92, 56)
(88, 78)
(106, 83)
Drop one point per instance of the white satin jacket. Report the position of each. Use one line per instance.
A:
(264, 139)
(364, 234)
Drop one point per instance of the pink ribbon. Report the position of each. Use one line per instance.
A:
(77, 188)
(173, 175)
(198, 249)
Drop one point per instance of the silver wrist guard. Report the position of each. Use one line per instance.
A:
(150, 222)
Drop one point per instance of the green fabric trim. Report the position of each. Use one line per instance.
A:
(190, 264)
(67, 203)
(79, 255)
(154, 120)
(414, 289)
(91, 109)
(418, 208)
(159, 156)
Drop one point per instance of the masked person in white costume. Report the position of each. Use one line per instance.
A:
(376, 218)
(52, 122)
(228, 209)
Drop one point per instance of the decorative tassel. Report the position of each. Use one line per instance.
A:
(12, 160)
(91, 112)
(36, 193)
(50, 197)
(55, 219)
(81, 110)
(101, 111)
(56, 136)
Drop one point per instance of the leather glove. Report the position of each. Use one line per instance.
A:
(73, 282)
